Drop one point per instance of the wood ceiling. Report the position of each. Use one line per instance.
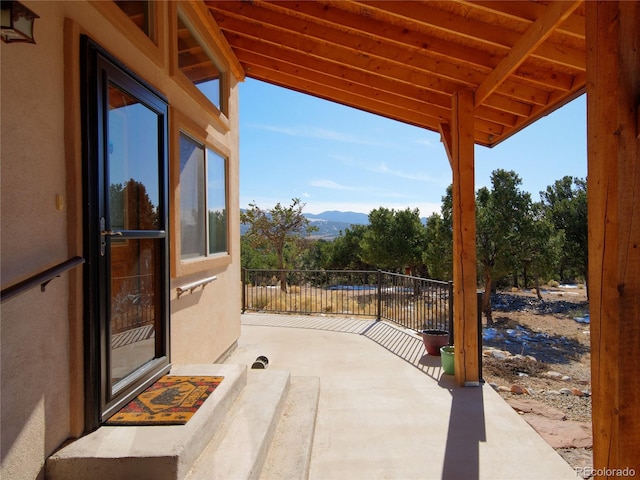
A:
(404, 59)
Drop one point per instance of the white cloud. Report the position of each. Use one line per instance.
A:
(307, 131)
(330, 184)
(417, 176)
(424, 141)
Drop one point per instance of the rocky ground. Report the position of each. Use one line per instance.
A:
(537, 356)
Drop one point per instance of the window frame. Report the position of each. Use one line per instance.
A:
(154, 48)
(182, 125)
(200, 30)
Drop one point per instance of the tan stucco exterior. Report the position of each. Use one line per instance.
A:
(41, 220)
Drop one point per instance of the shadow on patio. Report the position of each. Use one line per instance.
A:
(386, 410)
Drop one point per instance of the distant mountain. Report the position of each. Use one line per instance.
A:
(351, 218)
(330, 224)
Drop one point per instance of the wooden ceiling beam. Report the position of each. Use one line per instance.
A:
(333, 13)
(339, 38)
(573, 26)
(324, 49)
(490, 121)
(358, 58)
(537, 33)
(245, 46)
(472, 30)
(252, 52)
(447, 55)
(254, 61)
(445, 138)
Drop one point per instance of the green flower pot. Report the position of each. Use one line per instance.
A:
(446, 355)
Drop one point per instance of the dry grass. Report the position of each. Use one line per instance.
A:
(407, 309)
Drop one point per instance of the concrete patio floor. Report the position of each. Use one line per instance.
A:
(386, 410)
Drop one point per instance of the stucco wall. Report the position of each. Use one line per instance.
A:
(34, 337)
(41, 336)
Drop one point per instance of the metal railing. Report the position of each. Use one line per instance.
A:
(412, 302)
(43, 278)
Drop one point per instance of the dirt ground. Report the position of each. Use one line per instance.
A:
(537, 355)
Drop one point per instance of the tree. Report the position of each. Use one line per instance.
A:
(540, 246)
(565, 204)
(438, 253)
(500, 227)
(277, 229)
(346, 251)
(394, 240)
(257, 257)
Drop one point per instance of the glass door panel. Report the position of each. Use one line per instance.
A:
(133, 230)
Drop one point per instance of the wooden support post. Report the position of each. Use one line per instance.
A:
(461, 151)
(613, 189)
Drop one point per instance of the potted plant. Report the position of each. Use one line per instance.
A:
(434, 339)
(447, 359)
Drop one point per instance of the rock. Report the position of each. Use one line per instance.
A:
(553, 392)
(565, 391)
(502, 388)
(577, 392)
(566, 378)
(494, 386)
(535, 407)
(499, 354)
(552, 374)
(561, 433)
(518, 389)
(532, 358)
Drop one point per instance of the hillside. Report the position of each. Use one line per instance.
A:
(330, 223)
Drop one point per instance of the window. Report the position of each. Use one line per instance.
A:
(203, 201)
(198, 66)
(140, 12)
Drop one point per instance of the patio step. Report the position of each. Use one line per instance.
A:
(239, 448)
(290, 453)
(254, 419)
(158, 452)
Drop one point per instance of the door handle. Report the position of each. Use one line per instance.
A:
(105, 233)
(103, 240)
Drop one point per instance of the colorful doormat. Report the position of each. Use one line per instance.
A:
(172, 400)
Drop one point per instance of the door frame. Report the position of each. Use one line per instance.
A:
(97, 68)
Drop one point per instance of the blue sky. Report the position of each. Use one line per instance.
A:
(337, 158)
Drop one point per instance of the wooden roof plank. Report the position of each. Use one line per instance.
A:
(537, 33)
(473, 30)
(405, 59)
(371, 61)
(573, 26)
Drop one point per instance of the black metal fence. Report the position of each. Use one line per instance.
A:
(412, 302)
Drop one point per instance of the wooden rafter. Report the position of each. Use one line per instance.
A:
(555, 14)
(405, 59)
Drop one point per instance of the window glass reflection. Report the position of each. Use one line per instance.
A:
(134, 193)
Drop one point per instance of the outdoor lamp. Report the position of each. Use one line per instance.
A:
(16, 22)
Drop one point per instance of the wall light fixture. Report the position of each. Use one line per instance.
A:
(16, 22)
